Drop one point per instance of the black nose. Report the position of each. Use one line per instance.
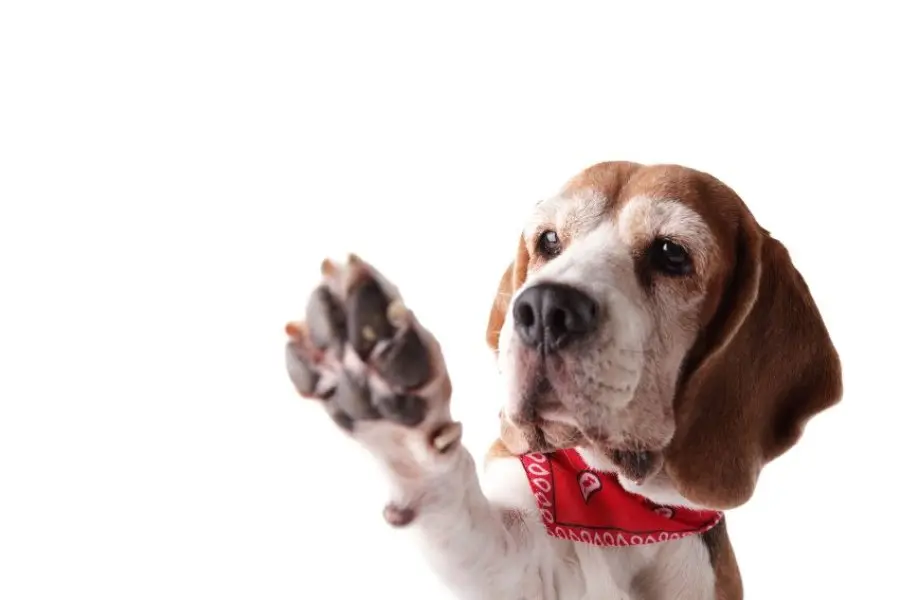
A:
(549, 316)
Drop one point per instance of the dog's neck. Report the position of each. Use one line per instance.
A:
(658, 488)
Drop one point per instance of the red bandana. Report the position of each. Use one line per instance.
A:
(582, 504)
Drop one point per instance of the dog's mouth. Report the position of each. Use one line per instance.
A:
(541, 435)
(543, 423)
(540, 422)
(538, 435)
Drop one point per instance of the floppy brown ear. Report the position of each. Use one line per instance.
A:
(512, 280)
(762, 369)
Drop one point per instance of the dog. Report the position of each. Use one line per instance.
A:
(659, 349)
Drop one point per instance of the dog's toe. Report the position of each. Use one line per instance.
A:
(325, 319)
(301, 360)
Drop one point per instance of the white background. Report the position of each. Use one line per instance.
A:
(172, 172)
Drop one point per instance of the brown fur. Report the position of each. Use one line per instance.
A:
(723, 562)
(761, 368)
(512, 280)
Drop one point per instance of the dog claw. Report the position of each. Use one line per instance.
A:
(398, 516)
(446, 437)
(295, 330)
(328, 269)
(398, 314)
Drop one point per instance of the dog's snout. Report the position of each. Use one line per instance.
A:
(549, 316)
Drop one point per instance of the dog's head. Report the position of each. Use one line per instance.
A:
(650, 321)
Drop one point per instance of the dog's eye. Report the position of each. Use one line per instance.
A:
(548, 244)
(669, 257)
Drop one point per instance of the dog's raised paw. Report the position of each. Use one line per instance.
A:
(362, 353)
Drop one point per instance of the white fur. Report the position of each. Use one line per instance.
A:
(491, 544)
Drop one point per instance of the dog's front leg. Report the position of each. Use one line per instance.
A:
(381, 377)
(475, 550)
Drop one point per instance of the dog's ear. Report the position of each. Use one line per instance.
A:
(512, 280)
(762, 368)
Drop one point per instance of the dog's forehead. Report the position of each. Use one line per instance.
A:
(641, 201)
(569, 214)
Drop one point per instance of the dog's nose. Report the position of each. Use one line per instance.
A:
(549, 316)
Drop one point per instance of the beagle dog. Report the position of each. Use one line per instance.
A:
(658, 348)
